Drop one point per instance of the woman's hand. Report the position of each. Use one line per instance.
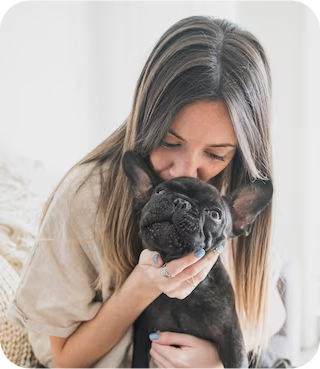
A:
(193, 352)
(187, 272)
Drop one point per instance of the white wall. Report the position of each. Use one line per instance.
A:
(46, 88)
(68, 72)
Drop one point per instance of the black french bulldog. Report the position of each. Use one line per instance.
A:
(176, 218)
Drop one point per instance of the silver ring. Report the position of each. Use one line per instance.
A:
(219, 249)
(192, 283)
(164, 272)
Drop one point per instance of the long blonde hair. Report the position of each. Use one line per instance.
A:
(198, 58)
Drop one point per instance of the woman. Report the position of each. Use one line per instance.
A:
(201, 109)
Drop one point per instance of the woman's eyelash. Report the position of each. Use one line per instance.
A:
(167, 144)
(210, 154)
(215, 157)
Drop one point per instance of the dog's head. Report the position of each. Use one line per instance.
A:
(179, 216)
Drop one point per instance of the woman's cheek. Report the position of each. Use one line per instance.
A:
(160, 160)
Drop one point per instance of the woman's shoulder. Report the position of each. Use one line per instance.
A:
(80, 186)
(79, 180)
(70, 220)
(76, 198)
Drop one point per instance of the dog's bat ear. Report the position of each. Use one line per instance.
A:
(141, 177)
(137, 172)
(246, 203)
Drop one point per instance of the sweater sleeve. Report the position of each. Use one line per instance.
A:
(56, 290)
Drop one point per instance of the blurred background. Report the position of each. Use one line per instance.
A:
(68, 72)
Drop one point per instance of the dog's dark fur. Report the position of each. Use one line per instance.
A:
(176, 218)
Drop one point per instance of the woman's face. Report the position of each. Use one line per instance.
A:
(201, 142)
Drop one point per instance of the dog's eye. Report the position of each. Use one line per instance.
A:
(214, 214)
(160, 191)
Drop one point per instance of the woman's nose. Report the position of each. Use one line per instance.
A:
(185, 167)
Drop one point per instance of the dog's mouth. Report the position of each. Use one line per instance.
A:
(175, 229)
(174, 241)
(165, 217)
(159, 228)
(171, 240)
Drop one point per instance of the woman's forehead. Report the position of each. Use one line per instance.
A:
(207, 122)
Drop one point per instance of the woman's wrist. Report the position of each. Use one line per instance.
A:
(141, 287)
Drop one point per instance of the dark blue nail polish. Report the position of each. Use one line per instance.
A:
(154, 336)
(199, 253)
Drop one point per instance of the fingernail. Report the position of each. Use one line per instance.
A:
(218, 250)
(154, 336)
(155, 258)
(199, 253)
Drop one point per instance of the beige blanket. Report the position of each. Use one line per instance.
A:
(24, 187)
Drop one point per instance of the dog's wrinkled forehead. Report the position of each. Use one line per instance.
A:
(192, 188)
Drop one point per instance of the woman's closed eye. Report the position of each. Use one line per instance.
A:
(209, 154)
(216, 157)
(167, 144)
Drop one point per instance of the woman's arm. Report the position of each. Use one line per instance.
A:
(94, 338)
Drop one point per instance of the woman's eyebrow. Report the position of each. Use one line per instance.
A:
(224, 145)
(216, 145)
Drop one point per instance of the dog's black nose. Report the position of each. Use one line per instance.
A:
(181, 204)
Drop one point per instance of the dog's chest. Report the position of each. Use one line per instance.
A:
(205, 310)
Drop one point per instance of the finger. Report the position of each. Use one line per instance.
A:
(176, 357)
(194, 281)
(194, 262)
(172, 338)
(219, 249)
(203, 266)
(175, 267)
(207, 262)
(192, 276)
(148, 257)
(198, 278)
(189, 278)
(197, 272)
(160, 360)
